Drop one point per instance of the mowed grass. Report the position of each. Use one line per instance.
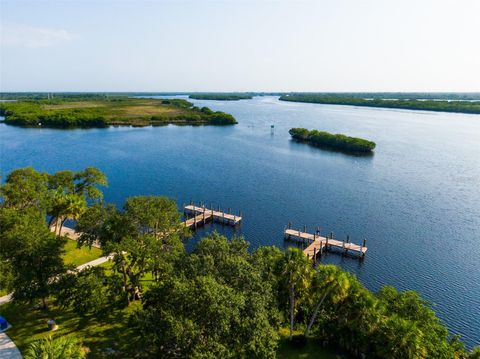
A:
(76, 256)
(107, 337)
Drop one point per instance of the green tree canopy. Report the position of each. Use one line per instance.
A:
(34, 254)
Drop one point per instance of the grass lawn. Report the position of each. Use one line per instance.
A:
(100, 335)
(76, 256)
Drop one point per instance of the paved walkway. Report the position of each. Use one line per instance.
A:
(95, 262)
(71, 234)
(8, 349)
(5, 299)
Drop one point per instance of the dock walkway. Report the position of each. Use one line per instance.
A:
(318, 244)
(202, 215)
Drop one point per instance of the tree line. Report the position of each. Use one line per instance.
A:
(328, 140)
(221, 300)
(221, 96)
(461, 106)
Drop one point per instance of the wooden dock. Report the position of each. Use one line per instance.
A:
(202, 215)
(318, 244)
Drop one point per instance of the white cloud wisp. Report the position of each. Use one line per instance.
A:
(17, 35)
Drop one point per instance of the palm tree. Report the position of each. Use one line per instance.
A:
(56, 207)
(401, 339)
(328, 279)
(475, 353)
(58, 348)
(75, 206)
(297, 274)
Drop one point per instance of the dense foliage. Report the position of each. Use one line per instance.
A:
(221, 96)
(32, 249)
(337, 141)
(99, 111)
(214, 304)
(220, 300)
(401, 103)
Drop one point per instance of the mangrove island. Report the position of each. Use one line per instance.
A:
(338, 141)
(221, 96)
(102, 111)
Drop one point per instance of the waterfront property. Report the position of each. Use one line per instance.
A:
(427, 169)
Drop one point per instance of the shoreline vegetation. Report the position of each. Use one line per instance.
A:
(327, 140)
(221, 96)
(102, 111)
(155, 299)
(444, 105)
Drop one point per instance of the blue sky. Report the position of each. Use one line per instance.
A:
(240, 45)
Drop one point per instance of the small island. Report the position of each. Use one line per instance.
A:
(337, 142)
(103, 111)
(400, 103)
(221, 96)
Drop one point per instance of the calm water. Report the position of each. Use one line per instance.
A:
(417, 200)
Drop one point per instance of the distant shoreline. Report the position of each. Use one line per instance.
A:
(221, 97)
(457, 106)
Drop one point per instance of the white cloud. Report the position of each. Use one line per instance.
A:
(18, 35)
